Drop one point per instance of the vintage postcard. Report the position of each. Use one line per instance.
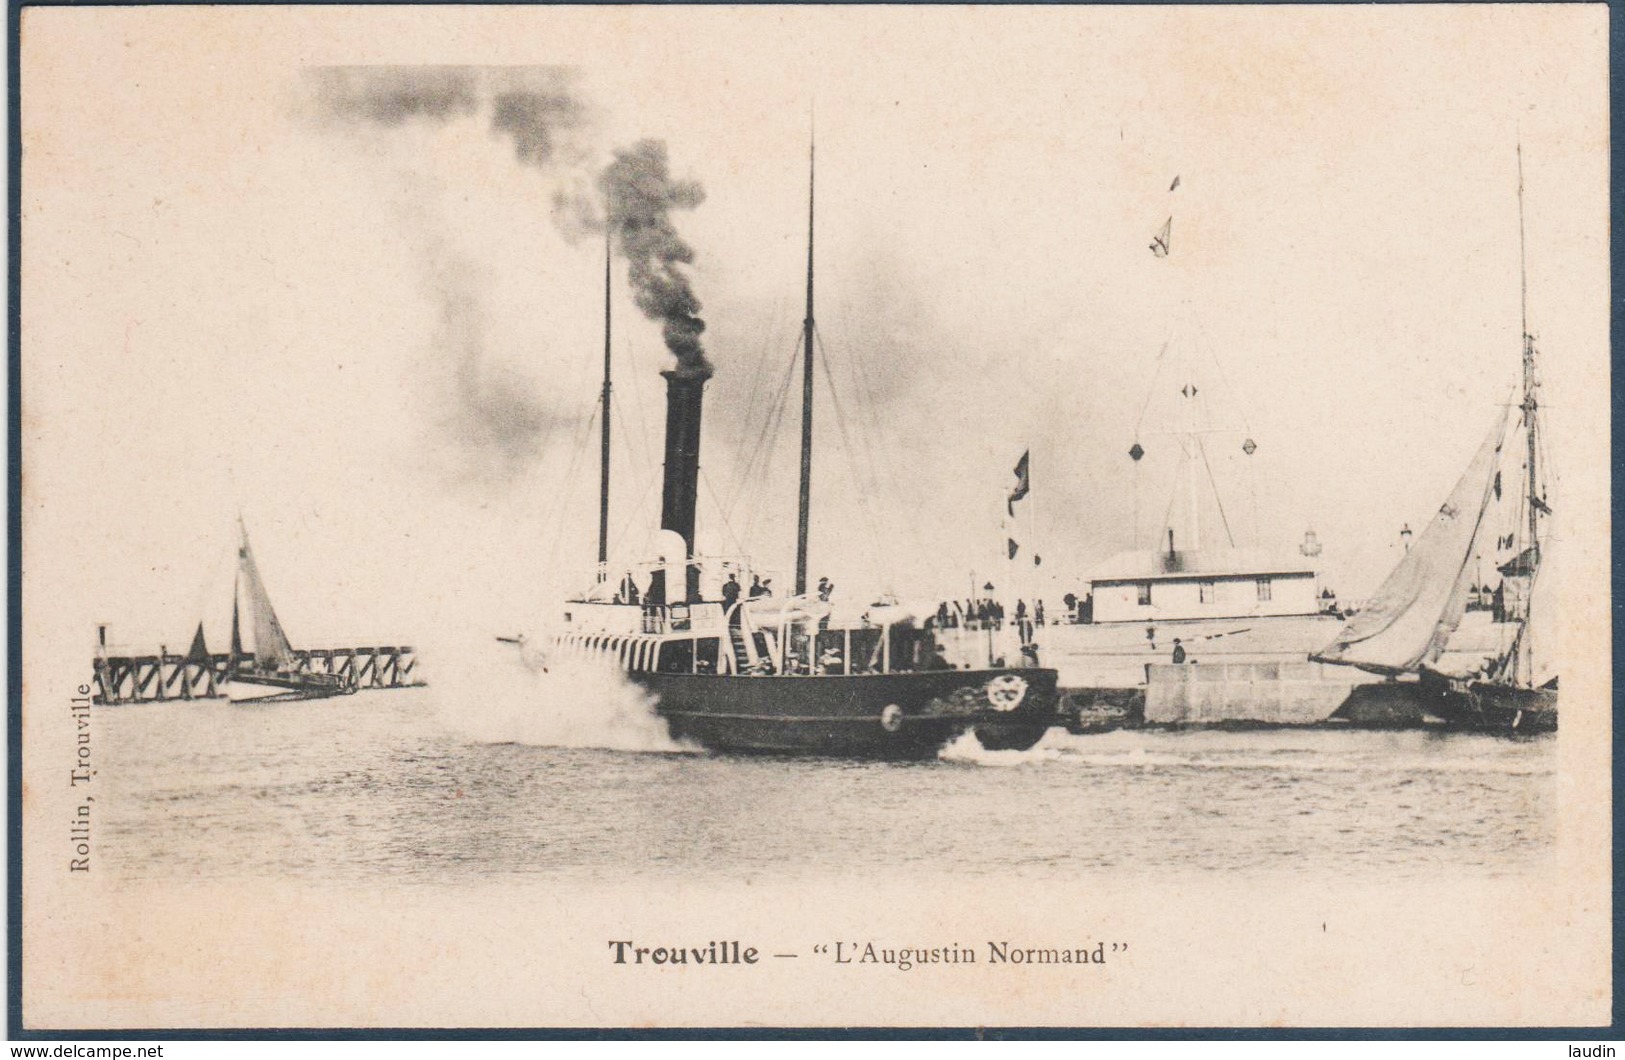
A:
(558, 517)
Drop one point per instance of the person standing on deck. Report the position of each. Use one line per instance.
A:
(1179, 652)
(730, 599)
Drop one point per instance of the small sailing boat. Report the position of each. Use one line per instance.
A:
(1406, 627)
(263, 665)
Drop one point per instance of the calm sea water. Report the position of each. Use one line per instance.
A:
(401, 786)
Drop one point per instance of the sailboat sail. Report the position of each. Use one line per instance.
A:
(199, 651)
(1541, 626)
(1521, 663)
(271, 648)
(1408, 621)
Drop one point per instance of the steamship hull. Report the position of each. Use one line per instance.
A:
(893, 716)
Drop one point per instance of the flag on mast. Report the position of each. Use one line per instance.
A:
(1160, 241)
(1023, 483)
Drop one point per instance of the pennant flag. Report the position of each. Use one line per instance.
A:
(1014, 548)
(1160, 241)
(1023, 484)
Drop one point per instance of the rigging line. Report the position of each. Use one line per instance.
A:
(762, 359)
(648, 473)
(1235, 395)
(626, 525)
(772, 437)
(883, 476)
(1150, 390)
(869, 449)
(755, 467)
(767, 436)
(857, 375)
(1549, 482)
(864, 378)
(864, 375)
(626, 432)
(753, 395)
(744, 469)
(869, 432)
(1201, 447)
(727, 527)
(775, 399)
(846, 441)
(563, 490)
(760, 471)
(630, 355)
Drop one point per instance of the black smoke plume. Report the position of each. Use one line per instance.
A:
(496, 416)
(639, 195)
(392, 95)
(534, 117)
(535, 106)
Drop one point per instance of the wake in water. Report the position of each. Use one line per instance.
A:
(495, 692)
(1307, 750)
(967, 749)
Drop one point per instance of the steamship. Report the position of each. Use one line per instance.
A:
(760, 674)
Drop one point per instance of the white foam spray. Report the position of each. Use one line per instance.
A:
(495, 692)
(967, 749)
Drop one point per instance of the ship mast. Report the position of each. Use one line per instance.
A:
(1526, 661)
(603, 455)
(806, 392)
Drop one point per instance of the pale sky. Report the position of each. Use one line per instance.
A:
(233, 301)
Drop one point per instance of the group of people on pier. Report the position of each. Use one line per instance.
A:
(986, 613)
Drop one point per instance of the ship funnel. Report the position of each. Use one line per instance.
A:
(685, 387)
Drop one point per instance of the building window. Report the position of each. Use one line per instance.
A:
(1143, 591)
(1205, 592)
(1263, 589)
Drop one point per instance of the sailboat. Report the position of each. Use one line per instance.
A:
(263, 666)
(1406, 627)
(747, 672)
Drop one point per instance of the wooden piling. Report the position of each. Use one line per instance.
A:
(119, 679)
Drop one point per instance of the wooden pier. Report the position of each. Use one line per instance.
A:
(165, 676)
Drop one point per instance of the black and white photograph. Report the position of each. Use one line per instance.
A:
(810, 517)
